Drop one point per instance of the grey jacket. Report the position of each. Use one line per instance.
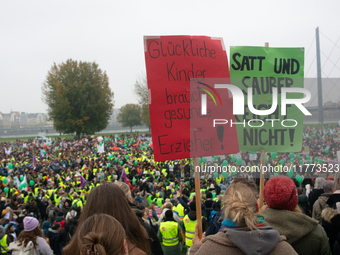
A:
(264, 240)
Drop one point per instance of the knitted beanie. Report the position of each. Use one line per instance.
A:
(169, 214)
(30, 223)
(280, 193)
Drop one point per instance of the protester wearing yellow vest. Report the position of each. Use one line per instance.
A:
(180, 210)
(3, 241)
(169, 234)
(77, 201)
(189, 224)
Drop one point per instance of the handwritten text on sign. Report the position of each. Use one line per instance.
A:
(270, 73)
(177, 66)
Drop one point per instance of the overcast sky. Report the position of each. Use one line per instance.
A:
(34, 34)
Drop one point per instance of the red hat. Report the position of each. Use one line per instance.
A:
(280, 193)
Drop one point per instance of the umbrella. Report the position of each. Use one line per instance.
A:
(150, 145)
(135, 145)
(116, 148)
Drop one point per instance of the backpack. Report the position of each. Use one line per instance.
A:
(212, 216)
(51, 212)
(21, 250)
(75, 204)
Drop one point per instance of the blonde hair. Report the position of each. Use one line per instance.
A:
(240, 205)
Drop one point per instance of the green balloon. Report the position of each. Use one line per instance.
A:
(215, 158)
(273, 155)
(291, 155)
(204, 159)
(6, 190)
(326, 150)
(95, 149)
(116, 159)
(126, 156)
(111, 157)
(4, 181)
(239, 161)
(109, 165)
(21, 178)
(121, 162)
(20, 187)
(290, 173)
(298, 156)
(233, 158)
(292, 160)
(298, 178)
(282, 161)
(233, 172)
(276, 174)
(136, 162)
(225, 174)
(253, 152)
(215, 175)
(308, 157)
(225, 162)
(301, 162)
(31, 182)
(320, 160)
(25, 185)
(316, 159)
(199, 160)
(10, 166)
(308, 161)
(57, 149)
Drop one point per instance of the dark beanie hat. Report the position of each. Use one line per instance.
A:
(281, 193)
(209, 195)
(192, 205)
(168, 214)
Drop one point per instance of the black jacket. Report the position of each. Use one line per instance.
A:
(53, 236)
(65, 234)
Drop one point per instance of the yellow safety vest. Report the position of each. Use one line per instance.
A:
(189, 226)
(169, 231)
(218, 181)
(180, 209)
(78, 202)
(3, 244)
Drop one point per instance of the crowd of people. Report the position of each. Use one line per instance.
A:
(107, 195)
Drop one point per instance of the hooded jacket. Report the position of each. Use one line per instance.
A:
(304, 233)
(241, 241)
(331, 224)
(319, 205)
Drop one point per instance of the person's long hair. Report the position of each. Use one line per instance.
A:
(25, 237)
(101, 234)
(110, 199)
(240, 205)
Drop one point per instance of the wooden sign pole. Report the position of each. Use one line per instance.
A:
(198, 198)
(263, 162)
